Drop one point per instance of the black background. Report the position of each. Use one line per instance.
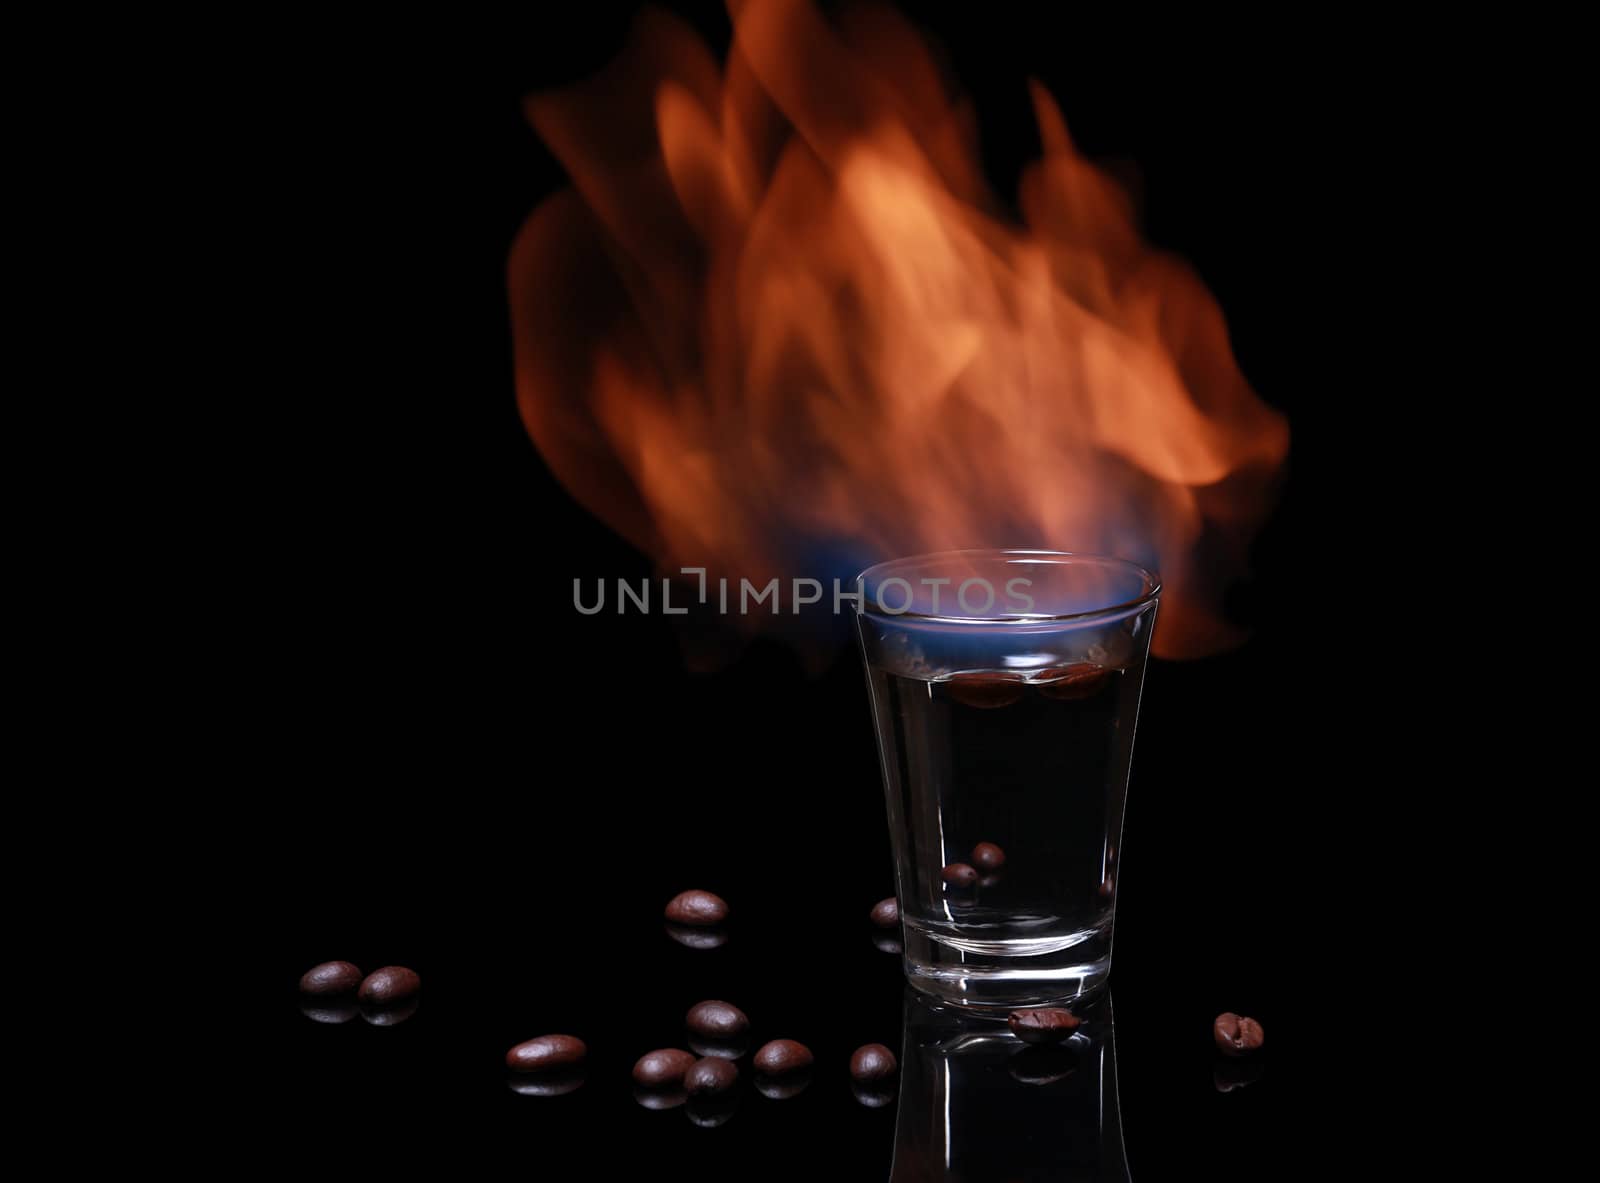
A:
(458, 773)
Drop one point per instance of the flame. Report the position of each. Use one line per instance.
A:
(778, 314)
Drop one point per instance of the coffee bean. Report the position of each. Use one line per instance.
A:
(986, 691)
(782, 1056)
(389, 985)
(886, 913)
(1073, 682)
(872, 1063)
(960, 875)
(545, 1053)
(665, 1098)
(662, 1068)
(716, 1020)
(710, 1076)
(986, 856)
(699, 908)
(331, 979)
(723, 1049)
(1236, 1036)
(1042, 1025)
(691, 937)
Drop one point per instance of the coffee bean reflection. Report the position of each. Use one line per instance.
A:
(1043, 1065)
(1236, 1074)
(691, 937)
(873, 1096)
(782, 1088)
(660, 1098)
(389, 1016)
(885, 943)
(330, 1012)
(710, 1112)
(545, 1084)
(725, 1049)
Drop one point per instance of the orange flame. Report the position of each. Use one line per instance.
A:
(779, 312)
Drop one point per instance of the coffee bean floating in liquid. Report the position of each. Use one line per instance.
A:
(988, 857)
(662, 1068)
(699, 908)
(782, 1056)
(1072, 682)
(331, 979)
(389, 985)
(986, 691)
(872, 1063)
(1237, 1036)
(960, 875)
(710, 1076)
(546, 1052)
(1042, 1024)
(886, 913)
(714, 1019)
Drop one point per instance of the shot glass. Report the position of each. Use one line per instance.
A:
(1005, 689)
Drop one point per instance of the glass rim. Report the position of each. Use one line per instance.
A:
(1149, 593)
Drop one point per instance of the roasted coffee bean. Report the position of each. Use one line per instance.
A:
(782, 1056)
(886, 913)
(716, 1020)
(1073, 681)
(662, 1068)
(331, 979)
(986, 856)
(545, 1053)
(691, 937)
(1042, 1025)
(332, 1011)
(710, 1076)
(389, 1014)
(389, 985)
(699, 908)
(960, 875)
(1237, 1036)
(664, 1098)
(1042, 1065)
(986, 691)
(556, 1083)
(872, 1063)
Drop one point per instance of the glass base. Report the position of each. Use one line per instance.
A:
(997, 979)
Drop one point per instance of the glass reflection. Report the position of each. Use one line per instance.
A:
(977, 1104)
